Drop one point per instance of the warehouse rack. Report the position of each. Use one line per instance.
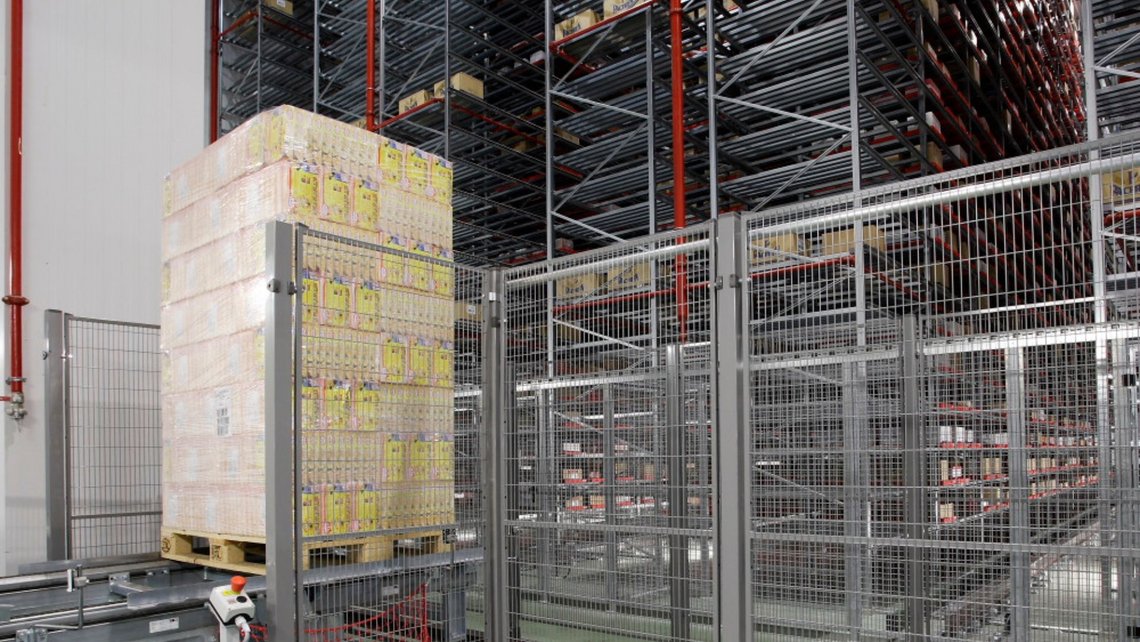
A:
(935, 85)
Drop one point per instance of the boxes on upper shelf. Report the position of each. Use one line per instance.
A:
(629, 277)
(776, 248)
(577, 286)
(461, 81)
(414, 99)
(578, 22)
(843, 241)
(614, 7)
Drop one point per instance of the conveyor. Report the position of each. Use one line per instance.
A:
(147, 598)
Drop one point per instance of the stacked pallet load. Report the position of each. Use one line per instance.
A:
(377, 335)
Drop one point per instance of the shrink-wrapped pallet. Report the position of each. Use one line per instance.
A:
(377, 330)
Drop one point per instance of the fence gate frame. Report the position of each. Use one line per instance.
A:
(59, 404)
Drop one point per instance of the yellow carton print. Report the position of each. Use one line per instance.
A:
(305, 191)
(336, 198)
(338, 397)
(366, 205)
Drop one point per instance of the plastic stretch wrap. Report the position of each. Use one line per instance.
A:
(377, 329)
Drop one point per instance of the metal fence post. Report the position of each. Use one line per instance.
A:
(1018, 496)
(494, 481)
(280, 562)
(55, 427)
(678, 507)
(915, 510)
(731, 441)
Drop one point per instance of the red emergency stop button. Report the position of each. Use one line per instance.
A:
(237, 584)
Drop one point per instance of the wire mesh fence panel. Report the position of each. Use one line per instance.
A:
(943, 422)
(608, 446)
(113, 451)
(390, 512)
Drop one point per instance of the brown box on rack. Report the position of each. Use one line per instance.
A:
(468, 311)
(597, 501)
(575, 503)
(773, 249)
(284, 6)
(843, 241)
(944, 470)
(463, 82)
(571, 26)
(414, 99)
(572, 475)
(614, 7)
(649, 472)
(578, 286)
(946, 511)
(629, 277)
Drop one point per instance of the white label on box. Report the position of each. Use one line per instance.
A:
(223, 411)
(159, 626)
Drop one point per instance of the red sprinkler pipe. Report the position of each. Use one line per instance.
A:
(370, 68)
(15, 299)
(678, 91)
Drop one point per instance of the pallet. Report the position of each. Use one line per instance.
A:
(247, 554)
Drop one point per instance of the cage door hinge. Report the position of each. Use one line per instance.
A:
(734, 281)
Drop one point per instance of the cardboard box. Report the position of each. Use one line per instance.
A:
(571, 26)
(468, 311)
(1120, 187)
(284, 6)
(843, 241)
(614, 7)
(779, 244)
(464, 82)
(572, 475)
(415, 99)
(946, 511)
(597, 501)
(629, 277)
(578, 286)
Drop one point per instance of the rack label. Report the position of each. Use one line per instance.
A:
(168, 624)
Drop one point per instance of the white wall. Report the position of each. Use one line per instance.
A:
(114, 97)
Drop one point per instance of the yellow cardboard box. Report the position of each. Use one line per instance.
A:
(284, 6)
(614, 7)
(629, 277)
(581, 285)
(773, 249)
(414, 99)
(571, 26)
(464, 82)
(843, 241)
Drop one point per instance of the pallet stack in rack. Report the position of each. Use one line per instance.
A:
(377, 331)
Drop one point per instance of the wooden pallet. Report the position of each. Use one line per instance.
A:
(247, 554)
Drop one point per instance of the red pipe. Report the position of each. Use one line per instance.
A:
(370, 99)
(215, 63)
(15, 298)
(678, 91)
